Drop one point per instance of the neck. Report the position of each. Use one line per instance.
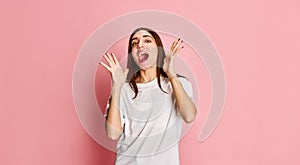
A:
(147, 75)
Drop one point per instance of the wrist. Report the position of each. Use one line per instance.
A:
(171, 77)
(117, 85)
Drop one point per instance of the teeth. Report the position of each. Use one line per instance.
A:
(142, 53)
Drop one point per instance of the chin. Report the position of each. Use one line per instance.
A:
(145, 67)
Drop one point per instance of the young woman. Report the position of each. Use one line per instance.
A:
(148, 102)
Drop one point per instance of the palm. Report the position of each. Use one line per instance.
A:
(169, 60)
(169, 63)
(118, 75)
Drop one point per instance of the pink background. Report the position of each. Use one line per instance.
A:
(258, 42)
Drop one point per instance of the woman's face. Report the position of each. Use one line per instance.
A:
(144, 49)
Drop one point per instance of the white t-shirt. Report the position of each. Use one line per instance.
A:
(151, 124)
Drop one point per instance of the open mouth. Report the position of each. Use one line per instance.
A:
(142, 56)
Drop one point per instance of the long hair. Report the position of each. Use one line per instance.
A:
(134, 70)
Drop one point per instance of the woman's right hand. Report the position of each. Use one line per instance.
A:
(118, 76)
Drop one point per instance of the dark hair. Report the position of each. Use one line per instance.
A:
(134, 70)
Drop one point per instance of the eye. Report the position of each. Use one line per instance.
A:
(148, 41)
(133, 44)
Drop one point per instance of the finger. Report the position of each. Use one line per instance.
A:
(115, 59)
(107, 67)
(179, 42)
(111, 59)
(107, 59)
(174, 44)
(178, 50)
(178, 46)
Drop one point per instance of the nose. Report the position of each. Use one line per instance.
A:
(140, 44)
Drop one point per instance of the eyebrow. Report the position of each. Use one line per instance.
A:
(143, 36)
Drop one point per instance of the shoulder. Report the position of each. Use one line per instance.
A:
(126, 90)
(184, 81)
(125, 86)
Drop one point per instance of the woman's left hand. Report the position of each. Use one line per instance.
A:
(169, 61)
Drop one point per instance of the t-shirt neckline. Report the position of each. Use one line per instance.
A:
(147, 84)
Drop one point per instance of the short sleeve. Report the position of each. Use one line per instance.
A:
(121, 112)
(187, 85)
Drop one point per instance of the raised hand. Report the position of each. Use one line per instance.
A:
(169, 61)
(118, 75)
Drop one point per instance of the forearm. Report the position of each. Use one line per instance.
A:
(113, 123)
(185, 105)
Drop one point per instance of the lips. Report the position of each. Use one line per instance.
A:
(142, 56)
